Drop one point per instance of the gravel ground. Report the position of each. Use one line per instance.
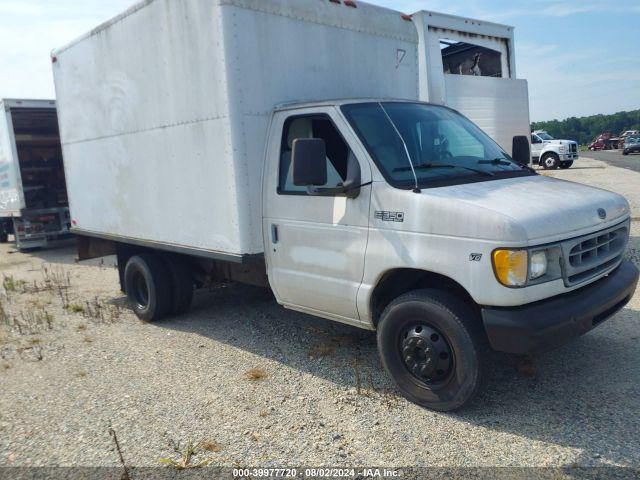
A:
(264, 386)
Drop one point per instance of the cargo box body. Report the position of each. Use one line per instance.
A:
(164, 110)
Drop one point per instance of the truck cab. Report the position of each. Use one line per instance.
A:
(400, 217)
(551, 153)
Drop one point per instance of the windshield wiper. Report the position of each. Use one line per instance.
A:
(496, 161)
(425, 166)
(505, 162)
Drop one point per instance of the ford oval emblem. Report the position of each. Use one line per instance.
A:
(602, 213)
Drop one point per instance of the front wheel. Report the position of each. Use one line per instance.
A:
(550, 161)
(565, 165)
(625, 152)
(431, 344)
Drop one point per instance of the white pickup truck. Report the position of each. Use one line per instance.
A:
(192, 155)
(552, 153)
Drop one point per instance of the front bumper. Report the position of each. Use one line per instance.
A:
(568, 156)
(552, 322)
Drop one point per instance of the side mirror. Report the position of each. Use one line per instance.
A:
(309, 158)
(520, 150)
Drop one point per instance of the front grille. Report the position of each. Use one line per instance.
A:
(573, 148)
(589, 256)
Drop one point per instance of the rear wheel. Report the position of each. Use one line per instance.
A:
(181, 284)
(565, 165)
(148, 286)
(624, 152)
(550, 161)
(432, 345)
(4, 236)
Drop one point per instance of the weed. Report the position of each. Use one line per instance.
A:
(256, 373)
(324, 349)
(213, 446)
(125, 470)
(186, 457)
(82, 374)
(9, 284)
(32, 322)
(34, 341)
(255, 437)
(3, 314)
(263, 413)
(88, 340)
(6, 366)
(81, 328)
(75, 308)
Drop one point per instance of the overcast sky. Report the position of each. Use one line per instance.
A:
(580, 56)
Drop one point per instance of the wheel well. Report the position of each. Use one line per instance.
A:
(549, 153)
(402, 280)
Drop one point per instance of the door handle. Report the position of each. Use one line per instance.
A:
(274, 233)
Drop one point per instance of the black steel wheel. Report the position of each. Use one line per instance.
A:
(427, 354)
(432, 344)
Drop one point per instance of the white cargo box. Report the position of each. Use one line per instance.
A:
(164, 110)
(22, 122)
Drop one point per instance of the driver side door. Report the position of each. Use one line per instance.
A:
(315, 245)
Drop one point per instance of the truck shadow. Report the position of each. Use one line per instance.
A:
(582, 396)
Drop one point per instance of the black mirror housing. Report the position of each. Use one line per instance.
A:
(521, 151)
(309, 159)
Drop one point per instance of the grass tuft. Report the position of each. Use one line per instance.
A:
(186, 457)
(75, 308)
(255, 374)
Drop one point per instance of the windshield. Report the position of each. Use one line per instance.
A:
(545, 136)
(420, 145)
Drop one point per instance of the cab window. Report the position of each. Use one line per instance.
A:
(312, 126)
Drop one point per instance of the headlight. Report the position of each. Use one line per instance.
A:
(563, 149)
(537, 264)
(518, 268)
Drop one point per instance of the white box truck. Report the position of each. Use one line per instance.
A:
(33, 195)
(286, 143)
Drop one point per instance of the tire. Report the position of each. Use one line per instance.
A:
(181, 284)
(4, 236)
(549, 161)
(148, 285)
(625, 153)
(440, 320)
(565, 165)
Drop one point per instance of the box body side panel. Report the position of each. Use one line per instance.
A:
(145, 127)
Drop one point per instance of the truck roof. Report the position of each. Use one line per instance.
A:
(26, 103)
(338, 102)
(365, 17)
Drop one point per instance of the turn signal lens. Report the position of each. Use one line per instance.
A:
(511, 267)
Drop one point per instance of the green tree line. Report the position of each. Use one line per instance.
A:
(585, 129)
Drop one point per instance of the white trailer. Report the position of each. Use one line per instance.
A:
(285, 143)
(33, 196)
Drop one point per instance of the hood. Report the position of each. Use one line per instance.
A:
(557, 142)
(534, 209)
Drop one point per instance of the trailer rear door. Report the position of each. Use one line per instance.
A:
(11, 197)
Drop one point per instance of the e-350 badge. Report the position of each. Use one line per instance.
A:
(390, 216)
